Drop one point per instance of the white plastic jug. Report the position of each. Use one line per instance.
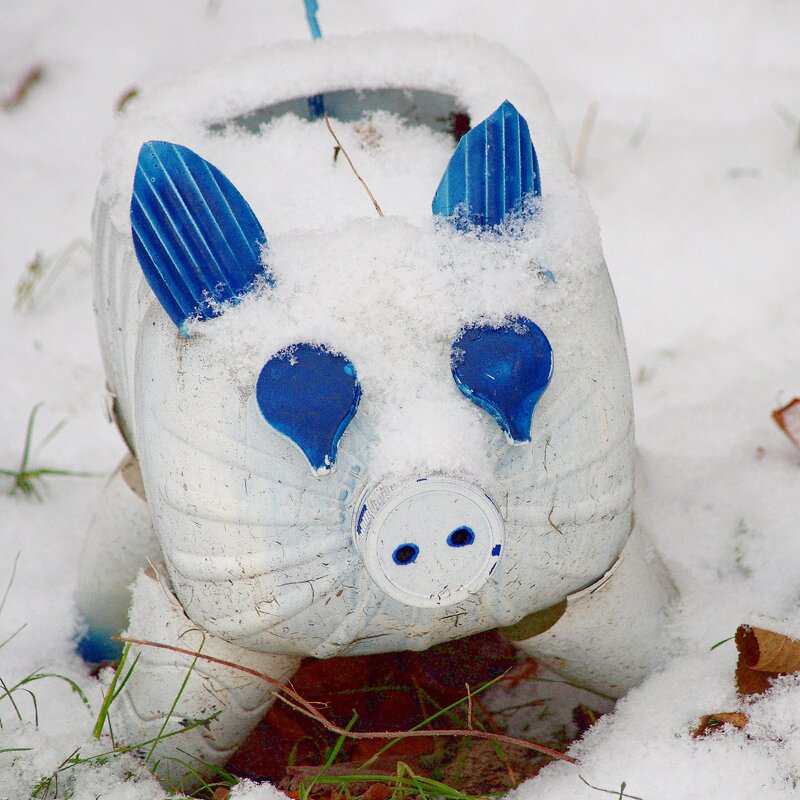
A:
(364, 434)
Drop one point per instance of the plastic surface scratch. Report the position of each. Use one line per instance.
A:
(197, 239)
(309, 394)
(493, 169)
(505, 371)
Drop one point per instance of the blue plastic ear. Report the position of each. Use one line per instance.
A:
(310, 395)
(505, 371)
(196, 238)
(493, 169)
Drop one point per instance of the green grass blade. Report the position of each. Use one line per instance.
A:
(28, 436)
(719, 644)
(335, 750)
(126, 678)
(69, 681)
(10, 581)
(57, 428)
(111, 694)
(9, 695)
(160, 735)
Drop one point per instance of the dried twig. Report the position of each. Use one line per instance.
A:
(17, 97)
(129, 94)
(286, 694)
(619, 793)
(352, 166)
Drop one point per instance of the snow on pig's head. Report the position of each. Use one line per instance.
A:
(384, 436)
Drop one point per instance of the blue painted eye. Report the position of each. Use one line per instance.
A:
(461, 537)
(504, 370)
(309, 394)
(405, 554)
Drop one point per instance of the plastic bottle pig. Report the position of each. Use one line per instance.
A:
(329, 472)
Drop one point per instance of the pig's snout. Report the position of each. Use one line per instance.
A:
(428, 542)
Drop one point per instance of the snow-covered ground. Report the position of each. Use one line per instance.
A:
(693, 167)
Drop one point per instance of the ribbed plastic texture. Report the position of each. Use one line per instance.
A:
(197, 239)
(505, 371)
(493, 169)
(309, 395)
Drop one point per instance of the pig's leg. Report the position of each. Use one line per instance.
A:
(155, 703)
(610, 636)
(119, 543)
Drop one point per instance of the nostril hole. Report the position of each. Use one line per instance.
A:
(405, 554)
(461, 537)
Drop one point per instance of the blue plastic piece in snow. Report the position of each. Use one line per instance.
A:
(505, 371)
(196, 238)
(97, 646)
(493, 169)
(316, 106)
(310, 395)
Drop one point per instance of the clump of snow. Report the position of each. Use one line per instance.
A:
(694, 178)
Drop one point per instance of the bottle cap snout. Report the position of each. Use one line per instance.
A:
(429, 542)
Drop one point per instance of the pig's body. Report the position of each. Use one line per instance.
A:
(264, 556)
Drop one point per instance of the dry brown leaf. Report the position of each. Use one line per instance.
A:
(713, 722)
(751, 681)
(378, 791)
(788, 419)
(767, 651)
(763, 656)
(481, 768)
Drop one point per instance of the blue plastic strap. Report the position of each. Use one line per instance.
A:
(504, 370)
(196, 237)
(311, 15)
(316, 103)
(309, 394)
(493, 169)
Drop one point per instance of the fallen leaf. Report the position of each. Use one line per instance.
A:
(389, 691)
(767, 651)
(481, 768)
(751, 681)
(788, 420)
(713, 722)
(378, 791)
(763, 656)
